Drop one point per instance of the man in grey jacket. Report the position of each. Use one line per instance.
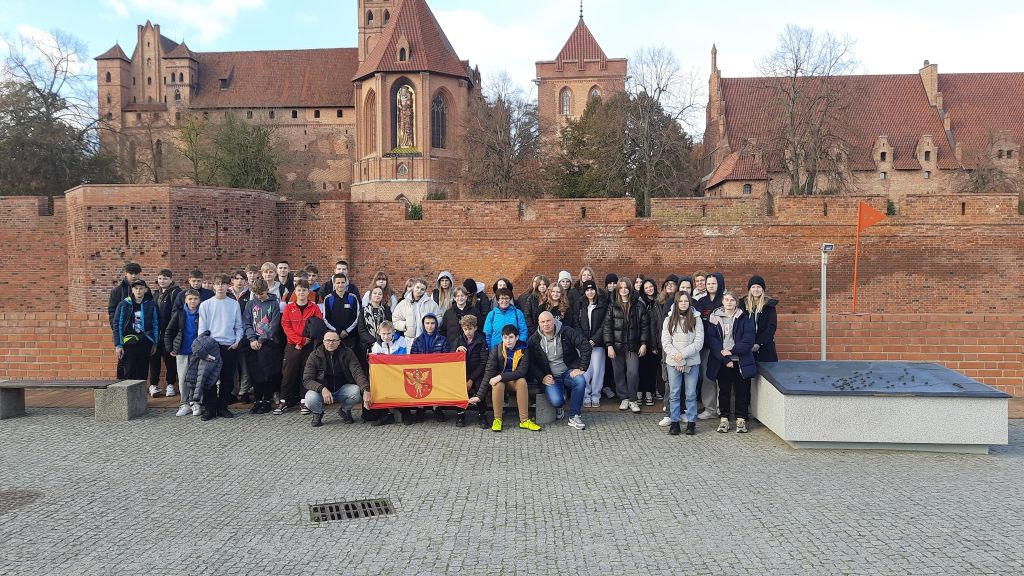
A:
(560, 358)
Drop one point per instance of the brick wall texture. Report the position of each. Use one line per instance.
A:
(939, 281)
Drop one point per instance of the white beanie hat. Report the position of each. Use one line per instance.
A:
(564, 275)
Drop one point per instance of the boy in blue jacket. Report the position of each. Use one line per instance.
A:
(136, 332)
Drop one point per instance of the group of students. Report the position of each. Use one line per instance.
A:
(279, 339)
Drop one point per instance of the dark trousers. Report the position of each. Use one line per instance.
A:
(170, 367)
(264, 367)
(229, 359)
(730, 381)
(650, 366)
(291, 372)
(134, 363)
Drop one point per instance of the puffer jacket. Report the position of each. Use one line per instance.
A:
(497, 319)
(408, 315)
(743, 343)
(765, 324)
(204, 365)
(581, 320)
(450, 326)
(175, 332)
(654, 322)
(627, 333)
(689, 344)
(124, 317)
(476, 355)
(496, 365)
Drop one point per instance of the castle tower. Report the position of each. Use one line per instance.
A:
(113, 86)
(182, 70)
(373, 16)
(411, 93)
(581, 71)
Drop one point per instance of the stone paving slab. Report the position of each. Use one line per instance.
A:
(166, 495)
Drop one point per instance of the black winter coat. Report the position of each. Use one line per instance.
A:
(333, 370)
(164, 305)
(765, 324)
(580, 320)
(450, 326)
(575, 353)
(476, 355)
(627, 333)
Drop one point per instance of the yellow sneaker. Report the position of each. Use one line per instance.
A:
(496, 425)
(529, 425)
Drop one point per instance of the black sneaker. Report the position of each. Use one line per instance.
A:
(421, 413)
(483, 421)
(346, 416)
(460, 419)
(223, 412)
(407, 417)
(673, 429)
(208, 414)
(439, 415)
(256, 408)
(384, 420)
(691, 428)
(318, 420)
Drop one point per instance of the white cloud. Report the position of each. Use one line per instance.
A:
(203, 20)
(47, 44)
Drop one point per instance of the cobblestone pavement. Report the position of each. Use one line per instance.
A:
(169, 496)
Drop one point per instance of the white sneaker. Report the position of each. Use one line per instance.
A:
(170, 391)
(587, 403)
(154, 391)
(705, 415)
(624, 405)
(666, 421)
(302, 408)
(634, 407)
(577, 422)
(196, 408)
(184, 410)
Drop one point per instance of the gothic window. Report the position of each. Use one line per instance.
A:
(387, 16)
(882, 156)
(109, 98)
(110, 115)
(108, 76)
(401, 54)
(565, 98)
(595, 93)
(746, 188)
(403, 114)
(370, 112)
(177, 95)
(149, 62)
(149, 81)
(181, 76)
(369, 18)
(439, 122)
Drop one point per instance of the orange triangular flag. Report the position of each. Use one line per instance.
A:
(867, 216)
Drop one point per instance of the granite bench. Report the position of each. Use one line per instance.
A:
(114, 399)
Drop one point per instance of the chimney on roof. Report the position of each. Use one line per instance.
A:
(930, 78)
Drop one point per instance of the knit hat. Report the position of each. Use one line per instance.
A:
(470, 285)
(611, 279)
(671, 278)
(588, 285)
(755, 279)
(564, 275)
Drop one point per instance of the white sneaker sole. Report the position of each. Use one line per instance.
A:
(665, 422)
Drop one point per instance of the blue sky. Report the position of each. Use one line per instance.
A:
(892, 37)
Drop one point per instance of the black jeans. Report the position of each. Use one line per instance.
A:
(291, 377)
(227, 379)
(170, 368)
(134, 363)
(729, 381)
(264, 367)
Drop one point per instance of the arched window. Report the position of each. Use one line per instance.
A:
(370, 128)
(158, 153)
(108, 76)
(746, 188)
(565, 98)
(439, 121)
(177, 95)
(181, 76)
(149, 81)
(369, 18)
(109, 98)
(595, 93)
(403, 114)
(401, 54)
(387, 17)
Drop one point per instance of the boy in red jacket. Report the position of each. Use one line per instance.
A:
(298, 347)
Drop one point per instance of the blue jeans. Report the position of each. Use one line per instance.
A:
(348, 395)
(675, 388)
(556, 392)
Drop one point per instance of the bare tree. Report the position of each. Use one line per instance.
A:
(501, 142)
(812, 100)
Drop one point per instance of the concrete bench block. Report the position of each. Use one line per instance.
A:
(122, 401)
(545, 412)
(12, 402)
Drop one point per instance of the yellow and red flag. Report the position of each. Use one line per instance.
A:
(408, 380)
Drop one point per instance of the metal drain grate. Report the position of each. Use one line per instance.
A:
(331, 511)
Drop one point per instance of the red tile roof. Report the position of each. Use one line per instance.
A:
(429, 48)
(180, 51)
(893, 105)
(276, 78)
(981, 107)
(115, 53)
(738, 166)
(580, 48)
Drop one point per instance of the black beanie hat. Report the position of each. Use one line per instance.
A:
(470, 285)
(755, 279)
(588, 285)
(611, 278)
(671, 278)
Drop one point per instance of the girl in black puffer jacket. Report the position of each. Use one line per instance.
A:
(587, 317)
(650, 363)
(627, 334)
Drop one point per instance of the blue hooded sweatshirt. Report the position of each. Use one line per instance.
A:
(432, 342)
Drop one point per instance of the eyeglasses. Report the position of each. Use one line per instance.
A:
(332, 341)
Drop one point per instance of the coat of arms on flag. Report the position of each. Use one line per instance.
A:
(408, 380)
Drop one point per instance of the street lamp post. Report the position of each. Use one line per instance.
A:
(825, 249)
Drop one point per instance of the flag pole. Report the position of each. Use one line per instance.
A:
(856, 259)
